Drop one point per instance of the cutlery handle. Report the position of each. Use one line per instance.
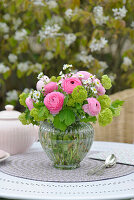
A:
(93, 171)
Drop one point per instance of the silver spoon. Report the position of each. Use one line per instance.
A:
(109, 162)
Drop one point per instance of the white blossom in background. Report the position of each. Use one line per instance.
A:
(16, 22)
(51, 4)
(40, 75)
(69, 13)
(103, 65)
(20, 35)
(27, 90)
(49, 55)
(127, 61)
(38, 2)
(119, 13)
(54, 20)
(4, 27)
(36, 96)
(112, 76)
(69, 39)
(84, 57)
(6, 17)
(132, 24)
(49, 31)
(98, 14)
(12, 58)
(12, 96)
(6, 36)
(24, 66)
(3, 68)
(97, 45)
(37, 67)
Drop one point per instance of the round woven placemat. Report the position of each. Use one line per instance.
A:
(37, 166)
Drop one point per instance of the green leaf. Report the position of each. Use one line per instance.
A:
(43, 111)
(66, 100)
(68, 116)
(58, 124)
(117, 103)
(89, 119)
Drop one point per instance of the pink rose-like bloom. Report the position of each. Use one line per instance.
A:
(69, 84)
(50, 87)
(85, 74)
(54, 102)
(101, 90)
(93, 107)
(29, 103)
(40, 84)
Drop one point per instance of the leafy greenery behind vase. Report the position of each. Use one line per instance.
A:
(37, 35)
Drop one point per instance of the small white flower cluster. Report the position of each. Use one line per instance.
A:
(38, 2)
(54, 20)
(97, 45)
(3, 68)
(49, 31)
(51, 4)
(66, 66)
(132, 24)
(12, 96)
(69, 13)
(12, 58)
(6, 17)
(69, 39)
(17, 22)
(43, 78)
(119, 13)
(37, 67)
(36, 96)
(4, 27)
(99, 17)
(20, 35)
(83, 57)
(49, 55)
(127, 61)
(91, 83)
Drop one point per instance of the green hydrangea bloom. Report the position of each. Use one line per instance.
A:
(117, 111)
(22, 118)
(35, 113)
(71, 102)
(22, 99)
(105, 101)
(106, 82)
(105, 117)
(79, 94)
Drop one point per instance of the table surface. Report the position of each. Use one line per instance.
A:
(117, 188)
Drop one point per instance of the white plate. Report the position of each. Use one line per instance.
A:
(5, 157)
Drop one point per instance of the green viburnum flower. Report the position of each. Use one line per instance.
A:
(71, 102)
(22, 99)
(79, 94)
(22, 118)
(105, 117)
(106, 82)
(117, 112)
(105, 101)
(37, 115)
(53, 79)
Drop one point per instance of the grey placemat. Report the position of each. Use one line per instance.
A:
(37, 166)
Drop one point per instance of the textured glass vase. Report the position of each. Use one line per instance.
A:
(66, 149)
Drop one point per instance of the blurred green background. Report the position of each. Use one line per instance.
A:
(37, 35)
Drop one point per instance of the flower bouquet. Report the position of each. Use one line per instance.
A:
(64, 107)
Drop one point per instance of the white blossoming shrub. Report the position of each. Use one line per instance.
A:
(41, 35)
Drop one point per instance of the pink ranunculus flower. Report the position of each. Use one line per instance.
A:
(85, 75)
(50, 87)
(54, 102)
(101, 90)
(69, 84)
(40, 85)
(29, 103)
(93, 107)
